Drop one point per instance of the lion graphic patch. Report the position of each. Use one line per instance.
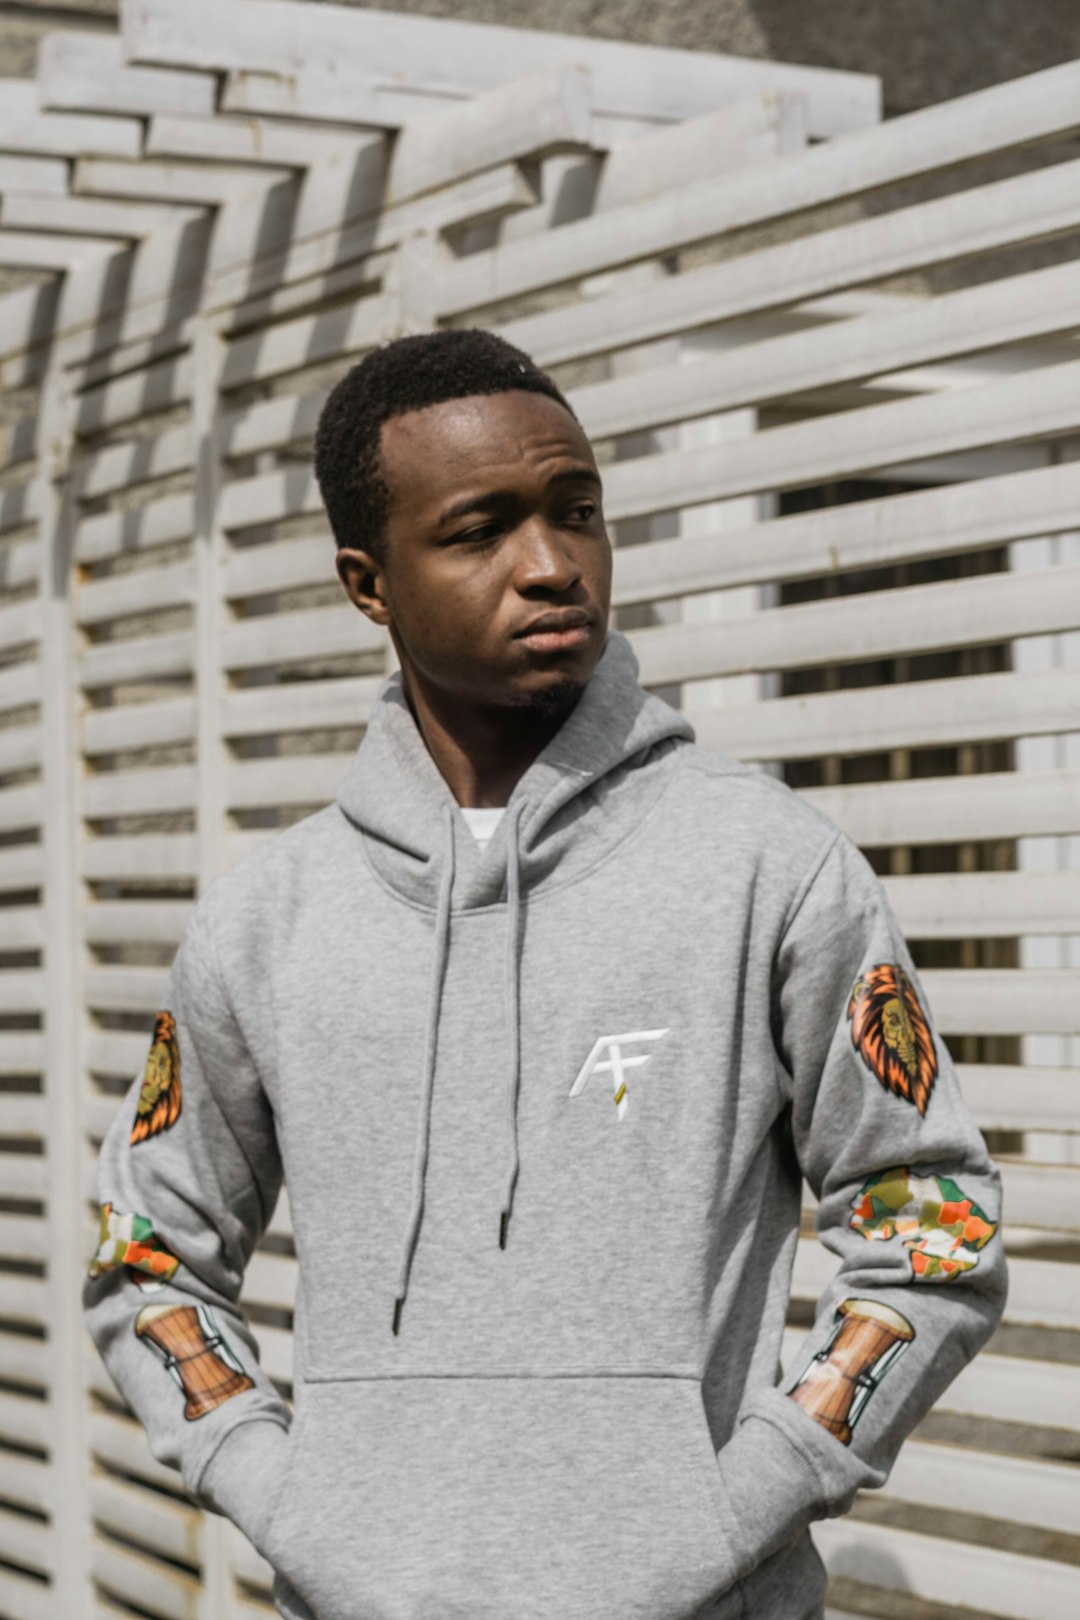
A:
(890, 1032)
(158, 1107)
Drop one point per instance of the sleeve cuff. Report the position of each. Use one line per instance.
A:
(240, 1478)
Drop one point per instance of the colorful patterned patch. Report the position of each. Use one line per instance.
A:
(196, 1354)
(129, 1240)
(941, 1227)
(866, 1340)
(890, 1032)
(158, 1107)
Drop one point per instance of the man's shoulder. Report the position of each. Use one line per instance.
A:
(729, 788)
(263, 874)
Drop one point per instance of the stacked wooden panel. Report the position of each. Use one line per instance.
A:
(832, 385)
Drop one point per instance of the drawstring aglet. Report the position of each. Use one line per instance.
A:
(504, 1221)
(398, 1303)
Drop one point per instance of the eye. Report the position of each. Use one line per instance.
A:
(583, 511)
(482, 534)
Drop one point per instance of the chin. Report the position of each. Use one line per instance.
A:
(559, 698)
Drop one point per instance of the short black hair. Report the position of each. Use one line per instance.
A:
(408, 374)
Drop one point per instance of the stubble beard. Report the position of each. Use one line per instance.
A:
(553, 701)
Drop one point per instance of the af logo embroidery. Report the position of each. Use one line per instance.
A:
(890, 1033)
(158, 1107)
(616, 1063)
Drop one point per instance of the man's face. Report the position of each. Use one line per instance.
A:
(497, 581)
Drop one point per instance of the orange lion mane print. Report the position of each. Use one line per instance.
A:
(890, 1032)
(159, 1096)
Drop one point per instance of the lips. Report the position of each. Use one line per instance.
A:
(557, 631)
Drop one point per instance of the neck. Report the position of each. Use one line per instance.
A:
(482, 752)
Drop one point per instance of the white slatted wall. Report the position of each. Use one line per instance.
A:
(831, 368)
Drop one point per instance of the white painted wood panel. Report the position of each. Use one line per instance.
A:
(949, 810)
(1033, 108)
(919, 715)
(24, 128)
(944, 1570)
(80, 72)
(458, 58)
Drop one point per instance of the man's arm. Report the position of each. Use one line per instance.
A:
(909, 1201)
(188, 1178)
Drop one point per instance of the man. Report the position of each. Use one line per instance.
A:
(542, 1102)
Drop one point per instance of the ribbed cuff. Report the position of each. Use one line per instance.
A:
(241, 1479)
(773, 1489)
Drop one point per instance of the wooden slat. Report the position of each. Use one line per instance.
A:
(145, 792)
(146, 590)
(945, 1570)
(920, 714)
(208, 184)
(41, 250)
(915, 332)
(302, 706)
(87, 216)
(140, 528)
(302, 342)
(985, 905)
(147, 1518)
(920, 618)
(33, 174)
(459, 58)
(88, 73)
(24, 128)
(949, 810)
(849, 442)
(115, 663)
(261, 782)
(546, 111)
(264, 141)
(1005, 1097)
(1038, 107)
(138, 393)
(290, 638)
(137, 725)
(26, 1598)
(144, 1583)
(150, 857)
(116, 922)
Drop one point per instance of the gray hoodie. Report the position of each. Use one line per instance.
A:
(543, 1112)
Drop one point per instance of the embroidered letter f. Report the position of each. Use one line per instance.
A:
(616, 1064)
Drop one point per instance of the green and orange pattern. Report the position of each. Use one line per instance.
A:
(129, 1240)
(942, 1229)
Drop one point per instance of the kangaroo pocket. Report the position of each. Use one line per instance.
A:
(554, 1498)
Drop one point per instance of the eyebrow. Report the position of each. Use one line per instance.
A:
(495, 497)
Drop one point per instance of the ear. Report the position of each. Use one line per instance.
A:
(365, 583)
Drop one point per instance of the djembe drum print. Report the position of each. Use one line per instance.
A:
(195, 1354)
(865, 1342)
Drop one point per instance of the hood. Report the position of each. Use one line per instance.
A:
(587, 790)
(571, 804)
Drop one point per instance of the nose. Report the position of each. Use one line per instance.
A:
(547, 560)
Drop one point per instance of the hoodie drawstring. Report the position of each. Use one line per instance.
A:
(423, 1127)
(513, 1031)
(513, 1011)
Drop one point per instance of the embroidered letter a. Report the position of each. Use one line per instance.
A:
(616, 1064)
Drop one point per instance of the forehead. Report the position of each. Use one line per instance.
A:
(499, 440)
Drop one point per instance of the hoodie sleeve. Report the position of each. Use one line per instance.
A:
(908, 1200)
(188, 1177)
